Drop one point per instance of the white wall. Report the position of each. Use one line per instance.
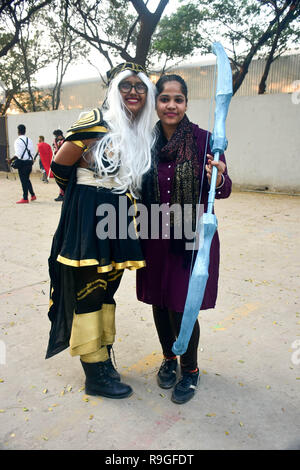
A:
(263, 134)
(264, 140)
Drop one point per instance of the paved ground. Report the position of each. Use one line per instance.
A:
(249, 354)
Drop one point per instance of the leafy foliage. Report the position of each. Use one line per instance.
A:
(178, 35)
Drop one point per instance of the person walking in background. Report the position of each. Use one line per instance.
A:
(23, 161)
(45, 154)
(57, 143)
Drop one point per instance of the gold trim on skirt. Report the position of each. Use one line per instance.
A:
(132, 265)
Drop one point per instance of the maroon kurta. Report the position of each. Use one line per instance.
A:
(164, 280)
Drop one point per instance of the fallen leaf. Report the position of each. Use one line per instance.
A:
(217, 327)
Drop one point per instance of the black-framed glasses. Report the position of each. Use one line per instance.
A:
(139, 87)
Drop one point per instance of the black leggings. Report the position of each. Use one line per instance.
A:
(167, 324)
(24, 173)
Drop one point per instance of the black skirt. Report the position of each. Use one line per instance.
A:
(80, 241)
(99, 229)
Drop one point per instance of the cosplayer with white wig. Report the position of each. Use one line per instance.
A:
(130, 138)
(101, 164)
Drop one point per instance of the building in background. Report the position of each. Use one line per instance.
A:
(199, 78)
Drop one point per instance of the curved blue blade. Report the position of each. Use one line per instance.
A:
(197, 286)
(218, 144)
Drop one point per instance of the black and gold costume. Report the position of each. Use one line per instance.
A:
(85, 271)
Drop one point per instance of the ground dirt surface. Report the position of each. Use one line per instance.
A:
(249, 352)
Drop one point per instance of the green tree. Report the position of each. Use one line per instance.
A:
(177, 35)
(14, 16)
(250, 29)
(18, 69)
(42, 41)
(115, 27)
(64, 47)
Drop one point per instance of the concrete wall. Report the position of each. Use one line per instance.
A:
(264, 140)
(263, 134)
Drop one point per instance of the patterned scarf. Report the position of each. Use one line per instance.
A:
(182, 149)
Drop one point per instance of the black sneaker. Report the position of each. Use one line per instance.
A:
(59, 198)
(186, 388)
(166, 376)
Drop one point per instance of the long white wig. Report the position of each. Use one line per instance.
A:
(123, 155)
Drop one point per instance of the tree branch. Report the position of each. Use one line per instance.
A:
(18, 23)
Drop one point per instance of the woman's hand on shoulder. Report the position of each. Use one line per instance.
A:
(209, 167)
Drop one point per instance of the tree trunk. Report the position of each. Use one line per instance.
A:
(148, 23)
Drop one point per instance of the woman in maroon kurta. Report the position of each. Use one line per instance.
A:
(177, 177)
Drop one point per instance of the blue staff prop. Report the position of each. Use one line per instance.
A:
(218, 143)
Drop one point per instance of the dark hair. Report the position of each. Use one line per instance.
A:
(172, 78)
(57, 132)
(21, 129)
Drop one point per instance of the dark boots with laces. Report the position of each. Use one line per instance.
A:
(187, 385)
(102, 379)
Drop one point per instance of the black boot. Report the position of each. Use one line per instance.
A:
(99, 382)
(112, 372)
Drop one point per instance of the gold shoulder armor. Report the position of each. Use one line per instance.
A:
(88, 125)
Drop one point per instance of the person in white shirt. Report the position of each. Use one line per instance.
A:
(24, 151)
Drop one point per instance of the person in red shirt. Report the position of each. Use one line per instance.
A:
(45, 153)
